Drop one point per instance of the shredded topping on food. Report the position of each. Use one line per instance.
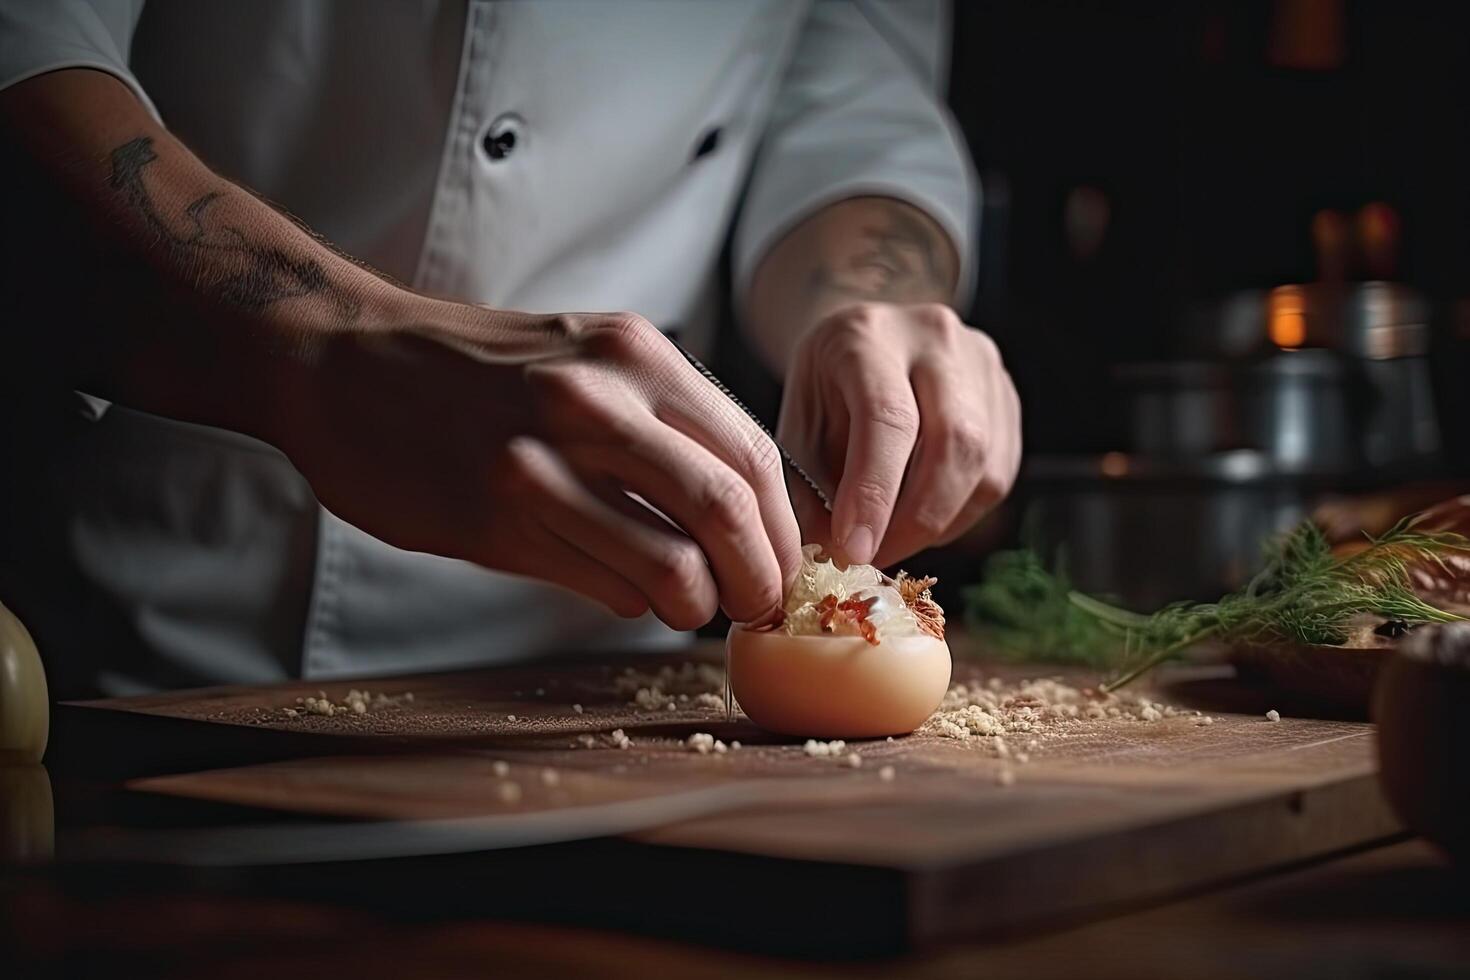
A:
(858, 600)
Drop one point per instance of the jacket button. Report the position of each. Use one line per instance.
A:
(498, 146)
(500, 139)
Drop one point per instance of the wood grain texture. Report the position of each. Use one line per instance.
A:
(1105, 813)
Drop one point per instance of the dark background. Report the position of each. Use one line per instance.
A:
(1215, 131)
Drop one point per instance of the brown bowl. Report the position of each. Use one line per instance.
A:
(1422, 706)
(1341, 677)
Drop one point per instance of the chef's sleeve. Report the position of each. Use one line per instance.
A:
(37, 36)
(859, 113)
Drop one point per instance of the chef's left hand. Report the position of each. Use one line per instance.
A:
(911, 415)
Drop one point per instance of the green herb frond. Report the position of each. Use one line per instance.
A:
(1304, 594)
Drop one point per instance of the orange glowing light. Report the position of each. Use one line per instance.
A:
(1286, 320)
(1114, 464)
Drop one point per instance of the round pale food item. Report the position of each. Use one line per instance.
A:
(837, 686)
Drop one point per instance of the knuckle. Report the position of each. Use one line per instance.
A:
(760, 457)
(870, 495)
(521, 468)
(939, 316)
(621, 337)
(965, 442)
(930, 522)
(890, 413)
(680, 570)
(729, 504)
(987, 346)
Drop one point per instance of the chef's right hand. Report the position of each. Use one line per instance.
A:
(549, 446)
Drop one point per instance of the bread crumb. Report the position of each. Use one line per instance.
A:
(1273, 715)
(1149, 713)
(577, 708)
(619, 739)
(509, 792)
(550, 777)
(701, 742)
(886, 774)
(1204, 720)
(817, 749)
(1006, 777)
(735, 745)
(510, 717)
(854, 761)
(501, 768)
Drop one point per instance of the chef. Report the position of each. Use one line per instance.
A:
(334, 344)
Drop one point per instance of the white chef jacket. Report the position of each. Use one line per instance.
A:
(539, 156)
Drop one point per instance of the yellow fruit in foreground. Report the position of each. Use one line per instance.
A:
(25, 714)
(27, 815)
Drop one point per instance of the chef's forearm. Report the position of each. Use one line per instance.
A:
(145, 277)
(861, 250)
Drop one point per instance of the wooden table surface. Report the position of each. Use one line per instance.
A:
(944, 861)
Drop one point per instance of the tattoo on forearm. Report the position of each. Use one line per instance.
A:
(243, 273)
(899, 259)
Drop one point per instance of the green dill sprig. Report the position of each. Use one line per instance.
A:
(1304, 594)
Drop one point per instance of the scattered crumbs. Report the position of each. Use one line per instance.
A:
(886, 774)
(501, 768)
(1203, 720)
(510, 717)
(509, 792)
(577, 708)
(1023, 757)
(997, 712)
(889, 739)
(701, 742)
(817, 749)
(720, 747)
(1006, 777)
(587, 741)
(661, 690)
(735, 745)
(854, 761)
(550, 777)
(1273, 715)
(356, 703)
(620, 739)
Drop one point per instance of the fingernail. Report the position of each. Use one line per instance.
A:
(859, 544)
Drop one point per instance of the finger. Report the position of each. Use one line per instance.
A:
(948, 466)
(705, 414)
(551, 559)
(614, 531)
(710, 501)
(883, 426)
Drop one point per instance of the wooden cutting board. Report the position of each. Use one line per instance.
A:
(1109, 812)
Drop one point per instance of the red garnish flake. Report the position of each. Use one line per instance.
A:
(830, 612)
(826, 609)
(859, 609)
